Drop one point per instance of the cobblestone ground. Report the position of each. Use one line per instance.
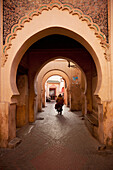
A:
(56, 143)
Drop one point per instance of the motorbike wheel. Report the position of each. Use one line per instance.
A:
(59, 109)
(60, 112)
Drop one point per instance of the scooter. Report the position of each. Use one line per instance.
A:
(59, 109)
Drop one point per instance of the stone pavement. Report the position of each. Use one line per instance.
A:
(56, 143)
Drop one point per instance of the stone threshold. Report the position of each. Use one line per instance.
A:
(14, 142)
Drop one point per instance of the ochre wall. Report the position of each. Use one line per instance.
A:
(100, 60)
(74, 90)
(22, 104)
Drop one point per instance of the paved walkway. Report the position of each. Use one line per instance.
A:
(56, 143)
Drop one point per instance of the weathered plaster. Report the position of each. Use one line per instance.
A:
(59, 19)
(108, 122)
(78, 27)
(1, 39)
(47, 7)
(62, 67)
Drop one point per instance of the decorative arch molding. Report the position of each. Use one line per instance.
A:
(55, 69)
(45, 76)
(50, 6)
(51, 67)
(55, 72)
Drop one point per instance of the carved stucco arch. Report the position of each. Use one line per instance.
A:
(54, 18)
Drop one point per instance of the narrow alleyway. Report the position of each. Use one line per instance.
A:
(56, 143)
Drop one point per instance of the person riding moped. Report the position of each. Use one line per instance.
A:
(59, 103)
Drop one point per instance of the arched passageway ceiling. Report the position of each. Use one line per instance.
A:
(60, 20)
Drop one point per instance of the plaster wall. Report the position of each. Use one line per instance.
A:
(11, 121)
(66, 95)
(108, 105)
(22, 101)
(46, 19)
(76, 103)
(7, 111)
(94, 103)
(78, 30)
(1, 38)
(4, 131)
(110, 21)
(7, 123)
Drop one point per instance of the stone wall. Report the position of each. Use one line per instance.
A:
(13, 10)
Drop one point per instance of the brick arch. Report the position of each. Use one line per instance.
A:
(64, 20)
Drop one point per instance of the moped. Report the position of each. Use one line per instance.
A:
(59, 109)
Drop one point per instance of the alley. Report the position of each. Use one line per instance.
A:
(56, 142)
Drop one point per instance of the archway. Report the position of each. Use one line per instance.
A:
(53, 73)
(53, 86)
(60, 67)
(74, 29)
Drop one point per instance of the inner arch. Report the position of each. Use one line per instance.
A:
(60, 32)
(53, 47)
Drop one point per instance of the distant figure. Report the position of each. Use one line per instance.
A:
(59, 103)
(60, 100)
